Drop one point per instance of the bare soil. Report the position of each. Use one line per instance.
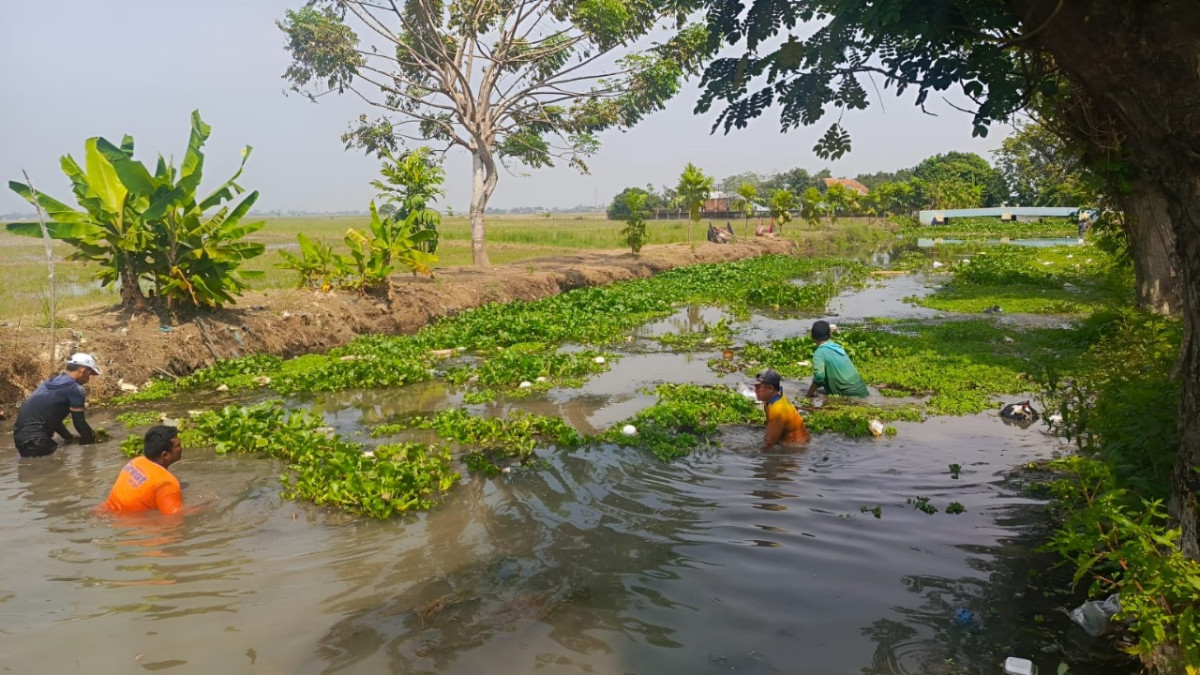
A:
(135, 349)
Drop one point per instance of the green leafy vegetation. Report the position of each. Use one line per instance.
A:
(684, 417)
(1125, 544)
(324, 468)
(139, 418)
(491, 440)
(153, 229)
(958, 366)
(1059, 280)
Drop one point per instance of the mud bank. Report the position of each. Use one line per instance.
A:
(134, 349)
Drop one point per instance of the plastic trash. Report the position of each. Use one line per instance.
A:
(876, 428)
(748, 393)
(1019, 666)
(629, 430)
(525, 384)
(1093, 616)
(968, 619)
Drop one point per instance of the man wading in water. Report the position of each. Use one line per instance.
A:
(784, 424)
(145, 484)
(42, 414)
(832, 368)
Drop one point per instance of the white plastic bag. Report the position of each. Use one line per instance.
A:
(1093, 616)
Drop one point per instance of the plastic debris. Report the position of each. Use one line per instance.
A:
(525, 384)
(937, 265)
(1019, 412)
(876, 428)
(262, 380)
(1056, 418)
(223, 387)
(1093, 616)
(599, 359)
(540, 378)
(629, 430)
(749, 393)
(1018, 666)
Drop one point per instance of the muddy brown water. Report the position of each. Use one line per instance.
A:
(599, 560)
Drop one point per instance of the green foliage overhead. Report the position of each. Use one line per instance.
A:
(925, 45)
(153, 229)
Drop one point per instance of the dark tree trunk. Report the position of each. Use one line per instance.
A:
(1147, 226)
(1139, 61)
(131, 293)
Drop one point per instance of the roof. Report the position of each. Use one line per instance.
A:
(848, 182)
(999, 211)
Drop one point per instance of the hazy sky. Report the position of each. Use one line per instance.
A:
(73, 69)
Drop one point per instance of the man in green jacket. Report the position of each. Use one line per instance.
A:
(832, 368)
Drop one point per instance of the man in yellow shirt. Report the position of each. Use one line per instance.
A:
(784, 423)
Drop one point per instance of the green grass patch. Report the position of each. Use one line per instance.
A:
(994, 228)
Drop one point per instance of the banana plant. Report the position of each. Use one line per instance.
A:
(318, 265)
(110, 228)
(152, 229)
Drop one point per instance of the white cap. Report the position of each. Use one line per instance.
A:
(86, 360)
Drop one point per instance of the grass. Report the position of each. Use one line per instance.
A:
(24, 286)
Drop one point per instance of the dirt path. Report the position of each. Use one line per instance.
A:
(289, 323)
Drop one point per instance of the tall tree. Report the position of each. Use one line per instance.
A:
(1040, 170)
(529, 81)
(693, 190)
(968, 172)
(1134, 61)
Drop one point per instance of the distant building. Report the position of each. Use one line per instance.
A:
(848, 182)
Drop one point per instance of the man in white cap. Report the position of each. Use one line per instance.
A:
(42, 414)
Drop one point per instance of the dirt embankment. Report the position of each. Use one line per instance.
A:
(133, 350)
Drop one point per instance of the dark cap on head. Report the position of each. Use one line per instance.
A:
(820, 330)
(770, 378)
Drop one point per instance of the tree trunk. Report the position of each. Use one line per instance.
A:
(131, 292)
(483, 183)
(1147, 227)
(1138, 63)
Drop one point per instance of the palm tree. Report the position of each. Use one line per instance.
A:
(693, 189)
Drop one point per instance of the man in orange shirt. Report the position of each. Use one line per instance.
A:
(145, 483)
(784, 423)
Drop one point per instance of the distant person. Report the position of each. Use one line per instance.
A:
(145, 484)
(832, 369)
(784, 423)
(765, 230)
(42, 414)
(718, 236)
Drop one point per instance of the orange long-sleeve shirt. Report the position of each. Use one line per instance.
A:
(144, 486)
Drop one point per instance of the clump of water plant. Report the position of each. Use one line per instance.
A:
(324, 468)
(684, 417)
(959, 367)
(491, 440)
(1019, 279)
(139, 418)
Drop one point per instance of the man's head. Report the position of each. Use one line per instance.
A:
(820, 331)
(162, 445)
(82, 367)
(767, 385)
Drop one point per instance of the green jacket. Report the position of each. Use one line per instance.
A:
(833, 370)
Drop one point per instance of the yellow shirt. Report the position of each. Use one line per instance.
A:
(784, 423)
